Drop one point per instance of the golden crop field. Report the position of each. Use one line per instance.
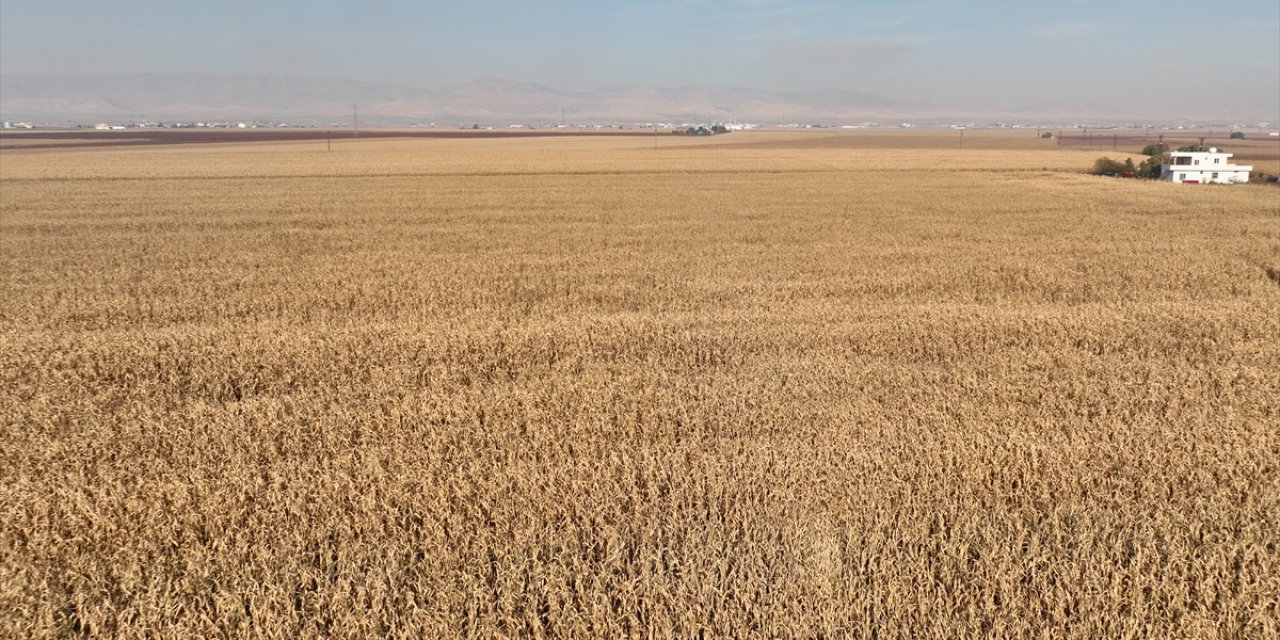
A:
(770, 384)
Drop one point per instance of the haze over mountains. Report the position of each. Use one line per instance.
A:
(157, 97)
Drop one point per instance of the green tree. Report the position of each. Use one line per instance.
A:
(1237, 135)
(1150, 168)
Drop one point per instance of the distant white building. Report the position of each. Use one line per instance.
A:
(1203, 167)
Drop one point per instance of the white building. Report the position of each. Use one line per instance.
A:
(1203, 167)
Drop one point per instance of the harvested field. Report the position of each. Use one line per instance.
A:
(782, 385)
(1257, 148)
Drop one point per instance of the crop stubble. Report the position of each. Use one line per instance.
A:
(770, 385)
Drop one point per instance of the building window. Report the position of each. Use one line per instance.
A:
(1197, 161)
(1217, 160)
(1215, 175)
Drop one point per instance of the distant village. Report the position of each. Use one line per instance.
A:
(707, 127)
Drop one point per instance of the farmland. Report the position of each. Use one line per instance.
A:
(770, 384)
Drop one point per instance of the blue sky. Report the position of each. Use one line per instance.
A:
(1125, 54)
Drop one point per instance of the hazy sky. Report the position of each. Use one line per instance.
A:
(1218, 58)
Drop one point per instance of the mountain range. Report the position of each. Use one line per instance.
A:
(54, 98)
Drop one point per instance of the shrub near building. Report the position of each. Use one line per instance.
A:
(1150, 168)
(1109, 167)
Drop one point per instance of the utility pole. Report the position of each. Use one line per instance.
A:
(355, 121)
(961, 137)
